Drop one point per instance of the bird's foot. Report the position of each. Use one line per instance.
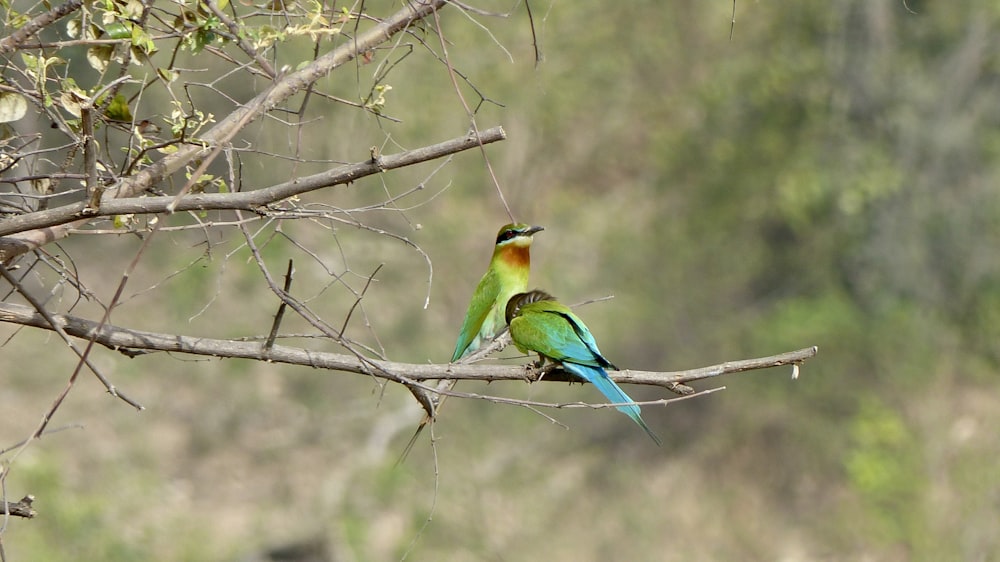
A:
(529, 373)
(544, 369)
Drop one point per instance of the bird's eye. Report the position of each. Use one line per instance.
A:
(506, 235)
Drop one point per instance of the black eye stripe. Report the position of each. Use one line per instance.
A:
(506, 235)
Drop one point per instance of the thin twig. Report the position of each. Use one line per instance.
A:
(47, 432)
(52, 322)
(732, 24)
(470, 113)
(281, 311)
(534, 36)
(357, 301)
(237, 37)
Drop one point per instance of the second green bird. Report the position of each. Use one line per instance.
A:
(540, 324)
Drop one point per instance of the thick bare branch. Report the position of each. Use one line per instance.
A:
(21, 508)
(118, 338)
(10, 43)
(19, 244)
(246, 200)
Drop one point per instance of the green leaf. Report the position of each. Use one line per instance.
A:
(118, 30)
(31, 63)
(142, 41)
(123, 221)
(17, 20)
(167, 75)
(118, 109)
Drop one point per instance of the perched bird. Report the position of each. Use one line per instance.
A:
(506, 275)
(541, 324)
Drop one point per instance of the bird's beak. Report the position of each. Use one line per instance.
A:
(533, 230)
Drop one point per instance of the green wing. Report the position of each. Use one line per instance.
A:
(582, 332)
(551, 329)
(479, 308)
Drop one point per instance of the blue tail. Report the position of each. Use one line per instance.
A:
(599, 378)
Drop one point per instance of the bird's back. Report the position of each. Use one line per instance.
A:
(550, 328)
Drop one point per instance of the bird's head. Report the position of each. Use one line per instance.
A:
(521, 299)
(517, 234)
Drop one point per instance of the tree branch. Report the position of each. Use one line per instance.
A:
(225, 129)
(10, 43)
(24, 233)
(20, 508)
(116, 338)
(237, 37)
(280, 91)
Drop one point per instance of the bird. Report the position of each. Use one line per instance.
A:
(506, 275)
(539, 323)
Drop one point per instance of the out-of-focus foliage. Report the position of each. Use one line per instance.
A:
(830, 177)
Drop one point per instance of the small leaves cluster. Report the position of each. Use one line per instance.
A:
(138, 104)
(200, 26)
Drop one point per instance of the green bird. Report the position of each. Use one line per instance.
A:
(506, 275)
(540, 324)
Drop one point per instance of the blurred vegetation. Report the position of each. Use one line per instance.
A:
(828, 177)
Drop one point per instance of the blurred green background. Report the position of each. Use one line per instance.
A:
(828, 177)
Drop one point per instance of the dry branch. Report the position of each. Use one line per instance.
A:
(20, 508)
(280, 91)
(127, 340)
(11, 42)
(253, 200)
